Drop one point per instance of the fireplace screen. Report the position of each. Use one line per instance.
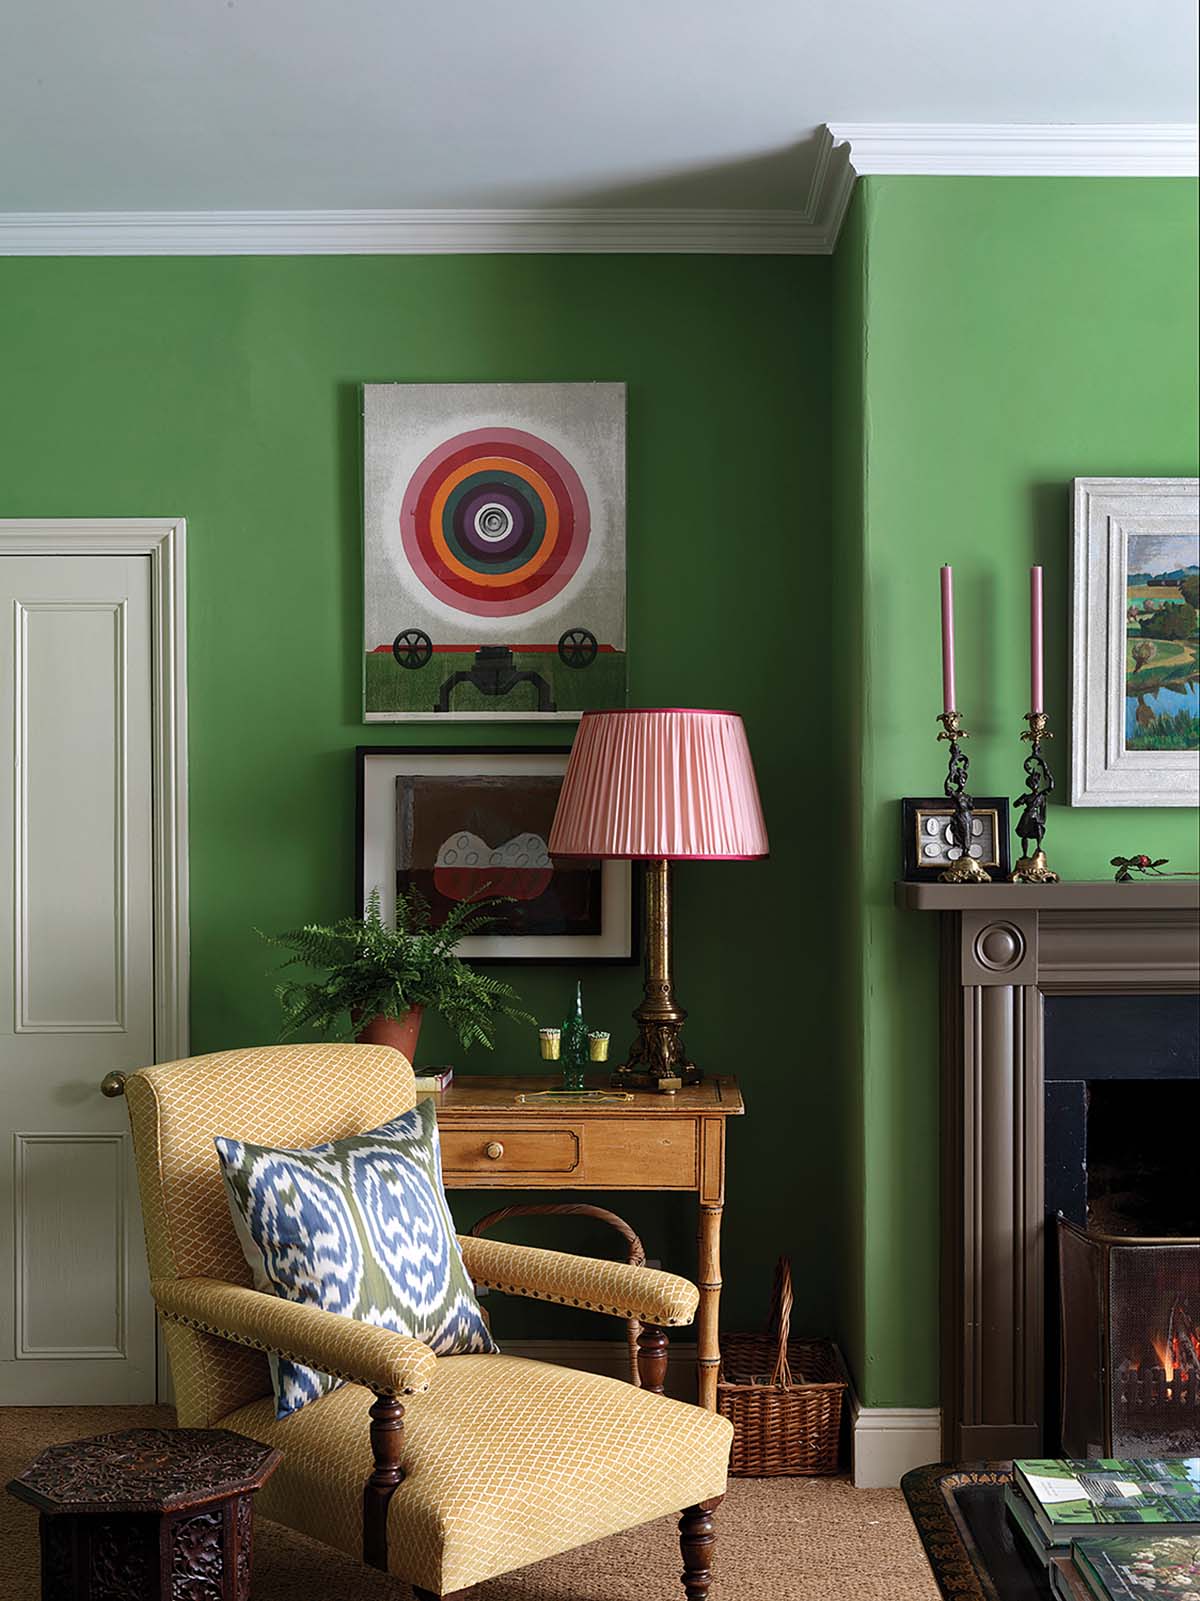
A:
(1130, 1344)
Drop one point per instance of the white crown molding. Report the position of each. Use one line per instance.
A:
(809, 230)
(590, 231)
(1013, 149)
(844, 150)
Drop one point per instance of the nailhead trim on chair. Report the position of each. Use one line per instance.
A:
(569, 1300)
(293, 1356)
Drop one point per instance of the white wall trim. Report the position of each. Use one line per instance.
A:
(162, 539)
(886, 1441)
(581, 230)
(809, 229)
(842, 151)
(1012, 149)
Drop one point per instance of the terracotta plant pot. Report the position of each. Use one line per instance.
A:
(401, 1033)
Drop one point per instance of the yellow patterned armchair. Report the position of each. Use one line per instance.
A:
(442, 1471)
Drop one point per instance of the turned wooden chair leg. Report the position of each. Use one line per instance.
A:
(387, 1444)
(652, 1359)
(697, 1538)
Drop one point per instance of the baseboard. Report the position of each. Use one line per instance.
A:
(610, 1358)
(886, 1441)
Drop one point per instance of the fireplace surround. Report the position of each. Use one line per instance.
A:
(1006, 948)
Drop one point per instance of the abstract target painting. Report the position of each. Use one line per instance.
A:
(494, 551)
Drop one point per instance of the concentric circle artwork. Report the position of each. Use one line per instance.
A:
(493, 550)
(495, 522)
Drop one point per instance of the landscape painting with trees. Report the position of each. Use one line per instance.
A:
(1162, 642)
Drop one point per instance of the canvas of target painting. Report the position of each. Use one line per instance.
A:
(493, 551)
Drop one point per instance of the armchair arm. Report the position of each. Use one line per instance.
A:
(364, 1353)
(656, 1298)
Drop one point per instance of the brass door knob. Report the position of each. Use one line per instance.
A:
(494, 1149)
(112, 1085)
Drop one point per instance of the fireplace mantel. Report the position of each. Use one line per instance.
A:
(1103, 895)
(1005, 947)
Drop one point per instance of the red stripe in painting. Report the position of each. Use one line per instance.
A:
(519, 650)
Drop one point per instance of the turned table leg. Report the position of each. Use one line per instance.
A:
(708, 1352)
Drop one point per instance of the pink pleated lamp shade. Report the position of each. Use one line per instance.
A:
(662, 783)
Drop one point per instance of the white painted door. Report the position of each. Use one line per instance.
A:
(76, 974)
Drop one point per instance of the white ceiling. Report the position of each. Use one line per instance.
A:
(147, 105)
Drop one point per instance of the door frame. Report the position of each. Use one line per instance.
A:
(164, 541)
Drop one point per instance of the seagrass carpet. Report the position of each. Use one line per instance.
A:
(778, 1540)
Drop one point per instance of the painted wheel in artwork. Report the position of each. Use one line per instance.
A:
(412, 648)
(495, 522)
(577, 647)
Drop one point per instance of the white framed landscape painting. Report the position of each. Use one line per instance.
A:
(1135, 720)
(493, 551)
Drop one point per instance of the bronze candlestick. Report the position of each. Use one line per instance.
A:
(1039, 783)
(657, 1058)
(966, 870)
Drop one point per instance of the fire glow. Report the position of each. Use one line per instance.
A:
(1177, 1353)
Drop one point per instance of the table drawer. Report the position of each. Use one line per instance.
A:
(510, 1151)
(640, 1153)
(605, 1153)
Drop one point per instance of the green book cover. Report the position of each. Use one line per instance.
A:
(1140, 1567)
(1068, 1497)
(1021, 1514)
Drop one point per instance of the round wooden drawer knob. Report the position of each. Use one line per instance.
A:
(494, 1149)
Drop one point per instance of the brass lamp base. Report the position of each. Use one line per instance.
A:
(657, 1058)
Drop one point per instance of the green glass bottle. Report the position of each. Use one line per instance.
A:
(575, 1045)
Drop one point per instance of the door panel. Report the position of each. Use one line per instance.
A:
(76, 973)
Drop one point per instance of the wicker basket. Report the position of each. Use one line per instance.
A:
(783, 1396)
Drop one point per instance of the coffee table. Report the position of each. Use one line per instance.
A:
(973, 1548)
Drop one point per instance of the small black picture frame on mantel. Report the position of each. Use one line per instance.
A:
(928, 848)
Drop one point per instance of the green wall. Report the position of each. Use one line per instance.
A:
(226, 390)
(1016, 333)
(808, 442)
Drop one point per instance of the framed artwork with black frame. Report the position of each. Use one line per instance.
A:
(459, 823)
(928, 848)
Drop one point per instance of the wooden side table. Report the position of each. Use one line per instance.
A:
(148, 1515)
(496, 1135)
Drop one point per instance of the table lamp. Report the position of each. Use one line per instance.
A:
(659, 786)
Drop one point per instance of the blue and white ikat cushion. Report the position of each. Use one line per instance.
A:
(360, 1227)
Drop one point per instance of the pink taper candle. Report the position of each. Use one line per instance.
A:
(1036, 691)
(948, 697)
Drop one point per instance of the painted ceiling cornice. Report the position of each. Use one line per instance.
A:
(842, 152)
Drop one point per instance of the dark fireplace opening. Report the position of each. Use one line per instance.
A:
(1143, 1157)
(1122, 1349)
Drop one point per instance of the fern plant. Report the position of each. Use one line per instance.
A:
(372, 970)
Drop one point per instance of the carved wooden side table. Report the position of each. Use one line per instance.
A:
(148, 1515)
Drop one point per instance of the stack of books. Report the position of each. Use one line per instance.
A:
(1112, 1530)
